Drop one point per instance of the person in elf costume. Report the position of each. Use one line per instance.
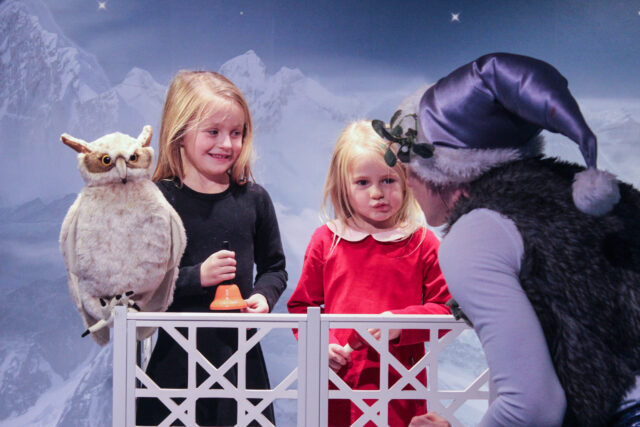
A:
(541, 255)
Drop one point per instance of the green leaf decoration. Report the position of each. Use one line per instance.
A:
(379, 127)
(390, 158)
(397, 131)
(395, 116)
(406, 139)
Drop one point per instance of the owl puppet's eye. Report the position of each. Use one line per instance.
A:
(133, 158)
(106, 160)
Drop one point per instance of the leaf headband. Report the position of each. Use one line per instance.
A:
(407, 139)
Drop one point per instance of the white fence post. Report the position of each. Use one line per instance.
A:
(312, 376)
(323, 371)
(302, 373)
(120, 367)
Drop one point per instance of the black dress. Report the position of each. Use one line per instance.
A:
(245, 217)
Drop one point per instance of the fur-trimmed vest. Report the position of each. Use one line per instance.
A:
(581, 274)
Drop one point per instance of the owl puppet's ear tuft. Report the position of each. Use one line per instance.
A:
(76, 143)
(145, 136)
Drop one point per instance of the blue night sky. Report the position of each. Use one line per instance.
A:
(356, 45)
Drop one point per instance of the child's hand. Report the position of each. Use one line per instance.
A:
(220, 266)
(256, 303)
(393, 333)
(338, 357)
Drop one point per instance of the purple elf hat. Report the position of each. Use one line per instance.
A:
(491, 111)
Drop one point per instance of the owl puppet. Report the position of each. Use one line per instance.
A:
(121, 240)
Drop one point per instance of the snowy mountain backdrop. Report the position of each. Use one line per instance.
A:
(49, 376)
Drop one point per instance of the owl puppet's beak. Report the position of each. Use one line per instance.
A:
(121, 167)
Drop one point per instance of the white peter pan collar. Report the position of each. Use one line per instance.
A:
(349, 234)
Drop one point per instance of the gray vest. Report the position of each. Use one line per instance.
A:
(581, 274)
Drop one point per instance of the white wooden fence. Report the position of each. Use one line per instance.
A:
(307, 382)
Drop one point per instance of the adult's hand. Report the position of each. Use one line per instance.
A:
(430, 419)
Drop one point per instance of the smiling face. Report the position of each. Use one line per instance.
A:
(375, 192)
(211, 147)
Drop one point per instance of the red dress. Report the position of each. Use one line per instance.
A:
(369, 274)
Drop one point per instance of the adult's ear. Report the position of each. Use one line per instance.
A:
(454, 196)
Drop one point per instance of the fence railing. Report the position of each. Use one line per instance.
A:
(306, 382)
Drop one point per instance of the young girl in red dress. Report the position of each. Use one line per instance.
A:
(373, 256)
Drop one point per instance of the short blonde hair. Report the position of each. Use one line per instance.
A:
(354, 139)
(192, 96)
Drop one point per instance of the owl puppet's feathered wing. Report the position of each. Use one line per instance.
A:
(120, 235)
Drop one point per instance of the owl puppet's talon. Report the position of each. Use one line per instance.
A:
(123, 299)
(108, 312)
(102, 323)
(107, 307)
(128, 302)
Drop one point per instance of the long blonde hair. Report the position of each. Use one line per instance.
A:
(354, 139)
(192, 96)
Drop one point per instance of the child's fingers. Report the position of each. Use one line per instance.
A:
(393, 333)
(225, 254)
(221, 266)
(335, 367)
(337, 362)
(227, 276)
(214, 271)
(375, 333)
(223, 259)
(226, 269)
(338, 357)
(337, 353)
(256, 303)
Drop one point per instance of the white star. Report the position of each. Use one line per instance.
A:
(455, 17)
(241, 12)
(102, 5)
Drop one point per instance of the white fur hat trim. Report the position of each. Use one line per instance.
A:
(462, 165)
